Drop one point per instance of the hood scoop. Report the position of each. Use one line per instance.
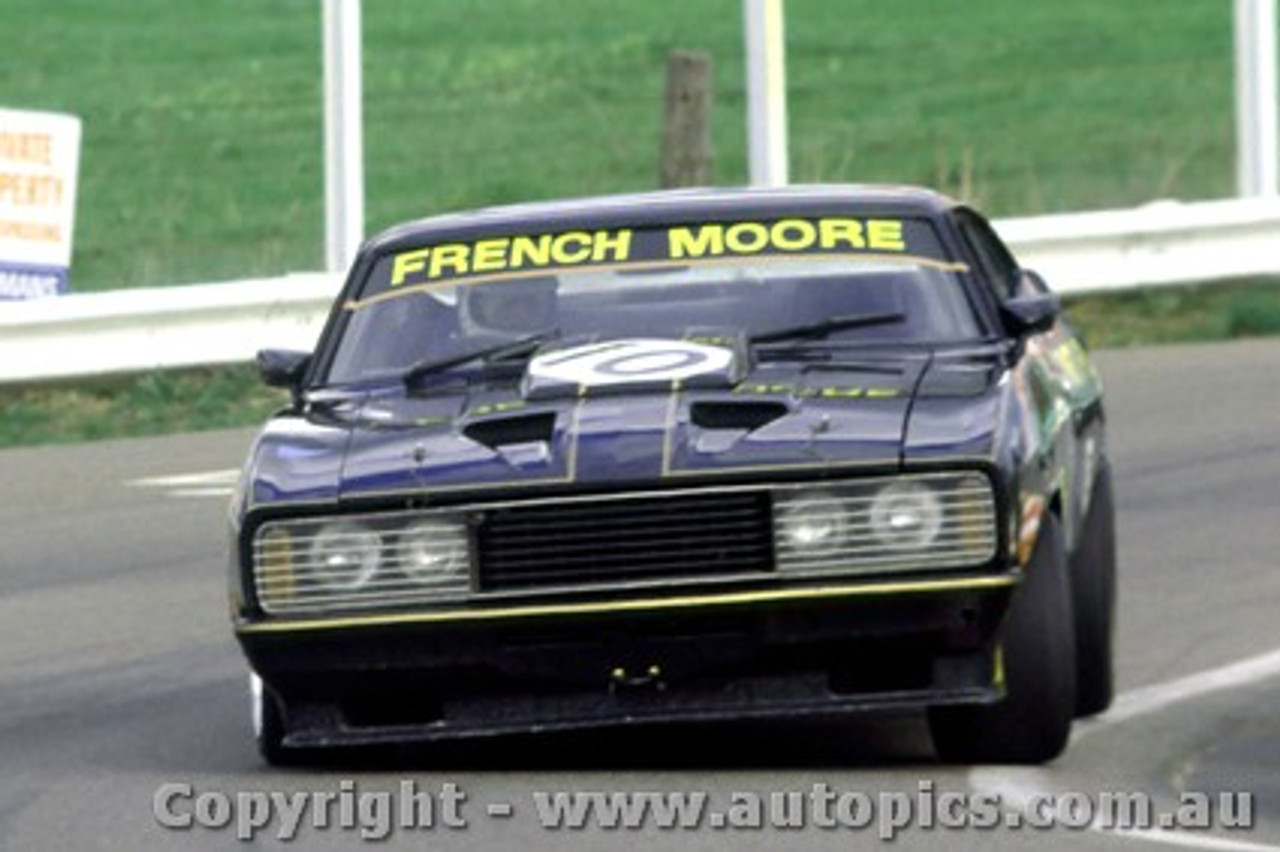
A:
(723, 424)
(499, 432)
(736, 415)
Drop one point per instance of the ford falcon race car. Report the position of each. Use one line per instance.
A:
(682, 456)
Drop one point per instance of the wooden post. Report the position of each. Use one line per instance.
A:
(686, 127)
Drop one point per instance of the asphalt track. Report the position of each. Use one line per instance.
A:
(118, 674)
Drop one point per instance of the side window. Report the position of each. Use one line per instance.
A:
(994, 260)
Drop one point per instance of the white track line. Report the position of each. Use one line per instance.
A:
(1188, 841)
(1152, 699)
(210, 477)
(213, 483)
(1020, 786)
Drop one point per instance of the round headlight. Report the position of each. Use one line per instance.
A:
(814, 523)
(906, 515)
(344, 555)
(433, 551)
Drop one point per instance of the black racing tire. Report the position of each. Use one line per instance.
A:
(1093, 587)
(1032, 722)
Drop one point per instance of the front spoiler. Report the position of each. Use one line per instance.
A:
(415, 681)
(323, 726)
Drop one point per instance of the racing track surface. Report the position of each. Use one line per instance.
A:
(118, 673)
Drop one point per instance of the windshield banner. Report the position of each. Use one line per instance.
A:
(506, 256)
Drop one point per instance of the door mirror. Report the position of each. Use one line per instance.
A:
(1030, 314)
(283, 368)
(1030, 282)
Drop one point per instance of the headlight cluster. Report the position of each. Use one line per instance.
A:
(924, 522)
(370, 562)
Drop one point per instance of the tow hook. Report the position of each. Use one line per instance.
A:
(649, 679)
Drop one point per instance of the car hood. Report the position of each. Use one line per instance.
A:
(781, 419)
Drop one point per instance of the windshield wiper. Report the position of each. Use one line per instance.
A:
(827, 326)
(499, 351)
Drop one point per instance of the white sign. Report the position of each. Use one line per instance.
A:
(39, 159)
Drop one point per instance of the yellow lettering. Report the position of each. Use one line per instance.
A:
(842, 393)
(27, 148)
(746, 237)
(498, 407)
(561, 251)
(760, 390)
(682, 242)
(530, 251)
(406, 263)
(490, 255)
(30, 190)
(837, 232)
(885, 234)
(523, 251)
(619, 243)
(450, 255)
(793, 234)
(33, 232)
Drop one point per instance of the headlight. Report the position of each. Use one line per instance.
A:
(909, 523)
(906, 515)
(374, 561)
(434, 551)
(814, 523)
(343, 555)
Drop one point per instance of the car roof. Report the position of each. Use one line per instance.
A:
(667, 207)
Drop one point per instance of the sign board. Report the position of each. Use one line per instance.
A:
(39, 157)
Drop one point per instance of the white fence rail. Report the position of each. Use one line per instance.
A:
(1161, 243)
(84, 335)
(124, 331)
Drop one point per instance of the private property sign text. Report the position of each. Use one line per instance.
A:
(39, 155)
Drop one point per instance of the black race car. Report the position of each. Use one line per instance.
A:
(694, 455)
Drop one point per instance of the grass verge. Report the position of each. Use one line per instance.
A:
(127, 406)
(1217, 311)
(225, 397)
(202, 154)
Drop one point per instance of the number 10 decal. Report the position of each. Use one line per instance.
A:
(630, 361)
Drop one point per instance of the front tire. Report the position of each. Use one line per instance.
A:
(1093, 586)
(1032, 722)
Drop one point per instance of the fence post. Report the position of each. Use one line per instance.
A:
(343, 133)
(686, 126)
(767, 157)
(1256, 133)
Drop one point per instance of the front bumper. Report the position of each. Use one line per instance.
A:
(786, 653)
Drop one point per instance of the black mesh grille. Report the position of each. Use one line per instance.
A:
(626, 540)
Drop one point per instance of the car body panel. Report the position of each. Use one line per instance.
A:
(1024, 410)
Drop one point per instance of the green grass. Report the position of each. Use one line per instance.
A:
(1246, 308)
(202, 135)
(202, 146)
(192, 400)
(150, 404)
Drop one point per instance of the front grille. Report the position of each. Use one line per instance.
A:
(625, 540)
(865, 526)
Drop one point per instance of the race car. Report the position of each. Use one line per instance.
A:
(685, 456)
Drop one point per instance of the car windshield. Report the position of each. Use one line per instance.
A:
(405, 316)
